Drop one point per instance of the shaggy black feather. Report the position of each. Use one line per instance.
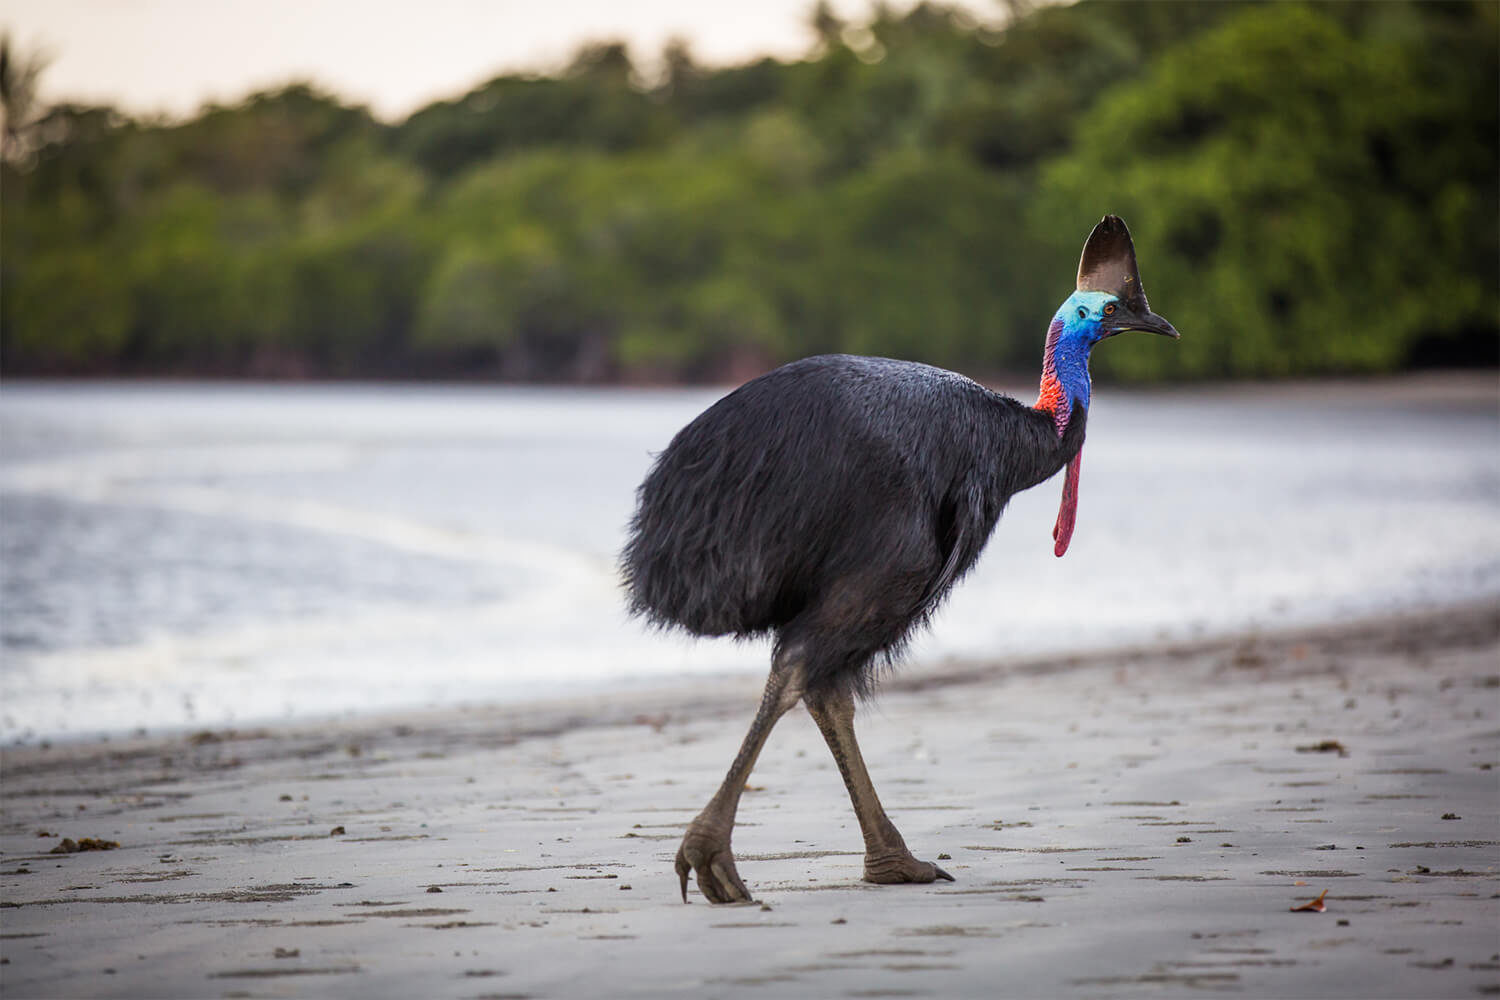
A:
(833, 502)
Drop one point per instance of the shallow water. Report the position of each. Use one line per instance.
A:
(195, 554)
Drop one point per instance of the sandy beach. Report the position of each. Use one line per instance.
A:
(1136, 823)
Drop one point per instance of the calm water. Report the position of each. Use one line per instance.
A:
(203, 554)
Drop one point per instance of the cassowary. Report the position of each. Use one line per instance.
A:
(833, 503)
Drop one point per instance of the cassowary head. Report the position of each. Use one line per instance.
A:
(1110, 299)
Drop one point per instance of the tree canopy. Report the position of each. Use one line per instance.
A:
(1312, 189)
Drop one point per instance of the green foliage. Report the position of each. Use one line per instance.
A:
(592, 106)
(1280, 203)
(1312, 189)
(56, 327)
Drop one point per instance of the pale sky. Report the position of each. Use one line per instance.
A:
(174, 55)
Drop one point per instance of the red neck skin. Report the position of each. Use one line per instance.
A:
(1067, 514)
(1055, 401)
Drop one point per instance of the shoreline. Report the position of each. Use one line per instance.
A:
(1119, 824)
(723, 694)
(1470, 387)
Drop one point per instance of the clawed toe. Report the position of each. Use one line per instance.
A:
(711, 860)
(683, 867)
(902, 868)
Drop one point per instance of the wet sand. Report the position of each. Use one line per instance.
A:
(1137, 823)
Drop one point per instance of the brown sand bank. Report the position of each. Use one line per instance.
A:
(1129, 824)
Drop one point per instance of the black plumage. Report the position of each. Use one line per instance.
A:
(832, 502)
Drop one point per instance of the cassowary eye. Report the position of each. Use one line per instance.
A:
(1109, 309)
(1082, 312)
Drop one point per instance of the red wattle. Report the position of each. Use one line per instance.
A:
(1062, 533)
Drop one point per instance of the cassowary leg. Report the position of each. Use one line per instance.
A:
(886, 858)
(705, 846)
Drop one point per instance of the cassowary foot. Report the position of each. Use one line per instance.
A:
(893, 869)
(707, 854)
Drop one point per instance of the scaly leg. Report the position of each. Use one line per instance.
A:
(886, 857)
(705, 846)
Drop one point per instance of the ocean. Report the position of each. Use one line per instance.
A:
(230, 554)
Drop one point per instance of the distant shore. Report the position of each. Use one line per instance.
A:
(1470, 384)
(1152, 814)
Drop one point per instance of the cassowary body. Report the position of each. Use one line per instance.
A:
(833, 503)
(768, 511)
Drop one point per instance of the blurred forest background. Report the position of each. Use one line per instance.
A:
(1312, 189)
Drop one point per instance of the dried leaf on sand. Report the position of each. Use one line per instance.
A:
(1313, 906)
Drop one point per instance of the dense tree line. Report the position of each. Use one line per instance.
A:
(1312, 189)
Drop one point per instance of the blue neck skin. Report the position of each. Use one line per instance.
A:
(1065, 365)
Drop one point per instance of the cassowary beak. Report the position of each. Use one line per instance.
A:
(1126, 318)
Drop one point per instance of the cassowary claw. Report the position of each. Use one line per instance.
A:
(903, 868)
(711, 860)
